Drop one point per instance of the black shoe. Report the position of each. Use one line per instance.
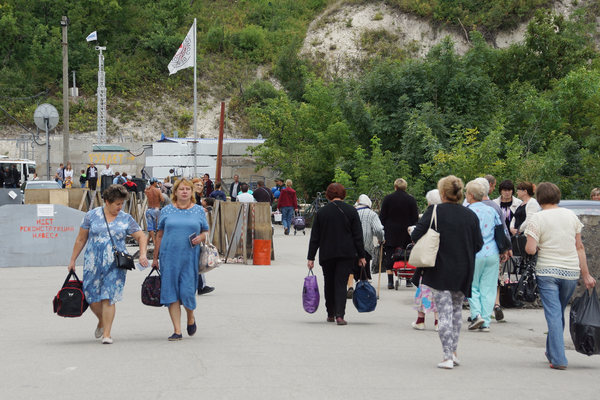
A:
(390, 285)
(350, 293)
(206, 289)
(498, 314)
(409, 284)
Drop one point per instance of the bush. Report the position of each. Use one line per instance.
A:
(214, 39)
(258, 92)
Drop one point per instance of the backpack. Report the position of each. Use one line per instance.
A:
(70, 299)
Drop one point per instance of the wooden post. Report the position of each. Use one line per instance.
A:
(65, 23)
(220, 147)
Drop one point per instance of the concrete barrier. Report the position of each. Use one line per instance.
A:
(40, 235)
(6, 196)
(590, 236)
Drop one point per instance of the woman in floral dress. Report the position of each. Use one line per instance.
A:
(103, 282)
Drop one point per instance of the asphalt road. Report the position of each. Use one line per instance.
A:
(255, 341)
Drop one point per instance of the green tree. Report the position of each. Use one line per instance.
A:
(304, 140)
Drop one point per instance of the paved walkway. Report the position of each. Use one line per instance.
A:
(254, 341)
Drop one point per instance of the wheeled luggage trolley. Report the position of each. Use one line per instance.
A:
(299, 223)
(402, 269)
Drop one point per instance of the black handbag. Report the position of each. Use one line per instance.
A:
(123, 260)
(518, 245)
(508, 291)
(151, 289)
(527, 289)
(401, 254)
(70, 299)
(502, 240)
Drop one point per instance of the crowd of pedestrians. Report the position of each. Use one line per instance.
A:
(468, 264)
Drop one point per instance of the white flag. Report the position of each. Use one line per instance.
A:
(186, 55)
(92, 36)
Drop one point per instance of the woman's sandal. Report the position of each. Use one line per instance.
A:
(559, 367)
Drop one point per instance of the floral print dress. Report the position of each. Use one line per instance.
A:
(102, 280)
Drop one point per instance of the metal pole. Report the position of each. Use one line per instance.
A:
(195, 107)
(47, 121)
(65, 24)
(101, 95)
(220, 147)
(74, 85)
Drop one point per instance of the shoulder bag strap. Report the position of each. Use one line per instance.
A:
(433, 218)
(346, 215)
(108, 229)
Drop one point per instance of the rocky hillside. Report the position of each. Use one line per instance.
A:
(345, 35)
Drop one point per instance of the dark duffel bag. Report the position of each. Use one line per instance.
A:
(70, 300)
(364, 297)
(151, 289)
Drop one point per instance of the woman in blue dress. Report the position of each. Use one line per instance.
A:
(181, 228)
(103, 282)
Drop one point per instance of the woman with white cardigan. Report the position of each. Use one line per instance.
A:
(526, 210)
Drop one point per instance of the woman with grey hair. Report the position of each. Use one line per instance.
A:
(371, 226)
(433, 197)
(487, 260)
(103, 282)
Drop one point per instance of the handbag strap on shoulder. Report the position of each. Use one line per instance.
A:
(433, 218)
(345, 215)
(108, 229)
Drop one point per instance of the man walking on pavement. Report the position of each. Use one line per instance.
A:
(154, 198)
(398, 211)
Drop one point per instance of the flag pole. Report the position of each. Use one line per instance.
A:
(195, 106)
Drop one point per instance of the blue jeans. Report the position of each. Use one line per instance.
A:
(483, 288)
(286, 216)
(555, 294)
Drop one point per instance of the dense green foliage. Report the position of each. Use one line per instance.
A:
(141, 38)
(450, 114)
(528, 112)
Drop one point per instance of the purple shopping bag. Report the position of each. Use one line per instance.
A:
(310, 293)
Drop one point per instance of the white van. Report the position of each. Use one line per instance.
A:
(25, 167)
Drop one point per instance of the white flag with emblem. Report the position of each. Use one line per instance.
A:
(186, 55)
